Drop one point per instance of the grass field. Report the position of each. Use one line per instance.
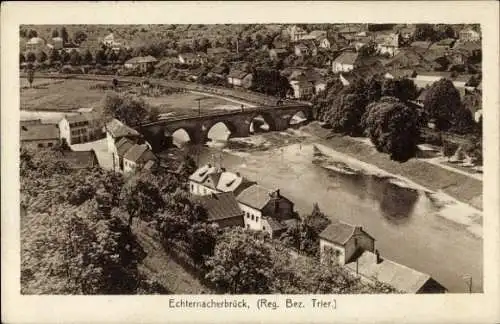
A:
(53, 94)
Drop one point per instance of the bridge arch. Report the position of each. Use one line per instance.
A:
(179, 136)
(261, 121)
(221, 130)
(297, 118)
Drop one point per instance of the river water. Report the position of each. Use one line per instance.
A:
(405, 221)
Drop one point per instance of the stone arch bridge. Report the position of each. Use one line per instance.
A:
(159, 133)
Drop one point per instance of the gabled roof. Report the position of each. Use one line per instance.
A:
(229, 181)
(421, 44)
(123, 145)
(401, 277)
(347, 58)
(255, 196)
(34, 132)
(139, 153)
(219, 205)
(79, 159)
(274, 224)
(202, 173)
(340, 232)
(237, 74)
(142, 59)
(118, 129)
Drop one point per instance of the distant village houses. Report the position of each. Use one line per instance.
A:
(345, 62)
(141, 63)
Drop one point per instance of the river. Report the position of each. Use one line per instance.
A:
(405, 221)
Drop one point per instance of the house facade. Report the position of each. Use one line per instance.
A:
(340, 241)
(324, 42)
(35, 44)
(388, 44)
(302, 89)
(81, 128)
(239, 78)
(115, 131)
(141, 63)
(345, 62)
(202, 181)
(469, 35)
(138, 157)
(296, 33)
(192, 58)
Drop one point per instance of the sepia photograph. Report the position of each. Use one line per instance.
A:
(277, 162)
(251, 159)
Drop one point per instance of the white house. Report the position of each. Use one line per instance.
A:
(469, 35)
(345, 62)
(387, 44)
(340, 241)
(302, 88)
(240, 78)
(204, 180)
(296, 33)
(324, 42)
(138, 157)
(81, 128)
(35, 44)
(116, 130)
(265, 210)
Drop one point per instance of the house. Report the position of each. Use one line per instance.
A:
(116, 130)
(192, 58)
(260, 205)
(387, 44)
(420, 99)
(469, 35)
(349, 31)
(296, 33)
(407, 33)
(276, 54)
(471, 49)
(232, 182)
(345, 62)
(302, 89)
(110, 42)
(78, 159)
(400, 74)
(138, 157)
(57, 43)
(166, 61)
(34, 134)
(364, 72)
(204, 180)
(81, 128)
(372, 267)
(35, 44)
(422, 45)
(222, 209)
(122, 146)
(240, 78)
(218, 72)
(305, 48)
(141, 63)
(340, 243)
(316, 34)
(424, 79)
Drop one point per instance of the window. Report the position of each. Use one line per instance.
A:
(248, 215)
(40, 145)
(49, 144)
(192, 187)
(263, 228)
(252, 217)
(248, 226)
(256, 218)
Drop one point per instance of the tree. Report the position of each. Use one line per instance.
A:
(424, 32)
(112, 57)
(202, 238)
(55, 33)
(32, 33)
(128, 109)
(54, 56)
(79, 37)
(74, 58)
(31, 76)
(64, 57)
(141, 198)
(392, 128)
(23, 33)
(87, 58)
(100, 57)
(188, 166)
(346, 113)
(22, 59)
(64, 35)
(30, 57)
(123, 56)
(442, 102)
(241, 264)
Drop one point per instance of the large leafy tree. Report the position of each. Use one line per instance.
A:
(202, 238)
(74, 57)
(141, 198)
(41, 57)
(87, 57)
(441, 103)
(128, 109)
(64, 34)
(346, 112)
(241, 264)
(392, 127)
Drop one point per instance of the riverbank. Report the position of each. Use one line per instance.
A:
(461, 187)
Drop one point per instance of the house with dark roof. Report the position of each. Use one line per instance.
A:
(264, 208)
(345, 62)
(78, 159)
(364, 72)
(81, 128)
(305, 48)
(116, 130)
(340, 242)
(137, 157)
(222, 209)
(34, 134)
(372, 267)
(421, 44)
(239, 78)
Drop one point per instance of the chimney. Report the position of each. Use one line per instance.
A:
(209, 165)
(238, 174)
(377, 254)
(278, 193)
(223, 169)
